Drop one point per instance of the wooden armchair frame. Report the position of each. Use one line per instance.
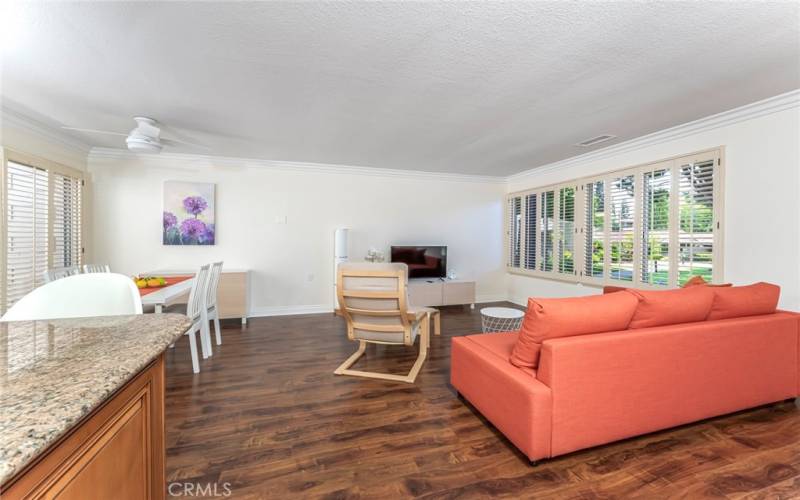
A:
(408, 321)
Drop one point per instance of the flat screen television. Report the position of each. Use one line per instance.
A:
(422, 261)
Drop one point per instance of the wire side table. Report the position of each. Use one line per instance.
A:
(501, 319)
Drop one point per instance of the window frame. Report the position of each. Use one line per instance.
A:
(52, 168)
(673, 164)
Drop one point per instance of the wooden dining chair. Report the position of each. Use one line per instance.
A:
(194, 310)
(211, 313)
(373, 299)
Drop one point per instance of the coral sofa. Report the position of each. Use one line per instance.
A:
(591, 389)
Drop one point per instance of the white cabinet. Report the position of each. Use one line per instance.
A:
(435, 292)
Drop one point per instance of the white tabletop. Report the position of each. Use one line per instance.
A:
(502, 312)
(168, 293)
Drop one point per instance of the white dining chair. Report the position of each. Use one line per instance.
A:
(60, 272)
(79, 296)
(96, 268)
(211, 300)
(194, 310)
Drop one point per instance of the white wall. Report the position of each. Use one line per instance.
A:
(292, 263)
(761, 190)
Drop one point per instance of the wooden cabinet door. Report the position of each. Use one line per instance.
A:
(116, 452)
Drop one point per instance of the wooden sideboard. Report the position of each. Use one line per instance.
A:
(436, 292)
(117, 451)
(232, 297)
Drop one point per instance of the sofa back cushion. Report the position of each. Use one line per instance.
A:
(738, 301)
(671, 307)
(553, 318)
(613, 289)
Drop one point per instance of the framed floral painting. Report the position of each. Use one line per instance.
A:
(188, 215)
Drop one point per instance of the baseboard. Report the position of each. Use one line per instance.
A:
(259, 312)
(498, 297)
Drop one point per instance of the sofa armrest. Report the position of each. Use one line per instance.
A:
(610, 386)
(514, 401)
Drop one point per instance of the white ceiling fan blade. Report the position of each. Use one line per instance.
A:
(93, 131)
(176, 142)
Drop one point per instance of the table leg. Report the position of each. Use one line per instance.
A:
(244, 320)
(159, 309)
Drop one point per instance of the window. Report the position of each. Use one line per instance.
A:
(514, 232)
(651, 226)
(41, 208)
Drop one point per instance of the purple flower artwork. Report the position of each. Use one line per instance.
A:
(188, 215)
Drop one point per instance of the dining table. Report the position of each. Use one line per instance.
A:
(176, 291)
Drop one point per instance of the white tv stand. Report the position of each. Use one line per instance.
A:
(432, 292)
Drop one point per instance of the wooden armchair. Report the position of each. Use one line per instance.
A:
(373, 299)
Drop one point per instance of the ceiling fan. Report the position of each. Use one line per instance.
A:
(145, 138)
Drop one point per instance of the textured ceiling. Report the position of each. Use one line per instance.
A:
(488, 88)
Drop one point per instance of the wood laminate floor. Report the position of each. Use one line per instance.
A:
(267, 416)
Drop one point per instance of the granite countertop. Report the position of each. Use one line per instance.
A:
(53, 373)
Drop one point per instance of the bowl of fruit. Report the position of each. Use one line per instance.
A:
(149, 281)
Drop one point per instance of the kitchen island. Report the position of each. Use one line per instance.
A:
(82, 406)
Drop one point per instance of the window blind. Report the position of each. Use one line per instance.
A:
(696, 209)
(594, 229)
(566, 230)
(531, 230)
(67, 249)
(656, 186)
(514, 230)
(621, 235)
(26, 229)
(547, 225)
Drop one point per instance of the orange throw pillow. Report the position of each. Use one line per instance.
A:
(553, 318)
(613, 289)
(670, 307)
(751, 300)
(698, 280)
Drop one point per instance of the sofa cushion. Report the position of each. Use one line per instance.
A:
(613, 289)
(671, 307)
(698, 280)
(553, 318)
(738, 301)
(500, 345)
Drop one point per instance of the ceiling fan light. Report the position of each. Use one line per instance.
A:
(142, 145)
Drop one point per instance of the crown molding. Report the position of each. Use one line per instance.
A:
(15, 119)
(757, 109)
(180, 160)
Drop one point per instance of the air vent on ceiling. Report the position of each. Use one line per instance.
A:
(595, 140)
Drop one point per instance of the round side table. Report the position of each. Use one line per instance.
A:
(501, 319)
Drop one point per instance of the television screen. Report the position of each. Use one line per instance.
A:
(422, 261)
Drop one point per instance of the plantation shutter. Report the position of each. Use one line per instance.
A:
(656, 189)
(531, 230)
(594, 224)
(67, 245)
(566, 230)
(621, 234)
(697, 221)
(514, 230)
(26, 230)
(547, 225)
